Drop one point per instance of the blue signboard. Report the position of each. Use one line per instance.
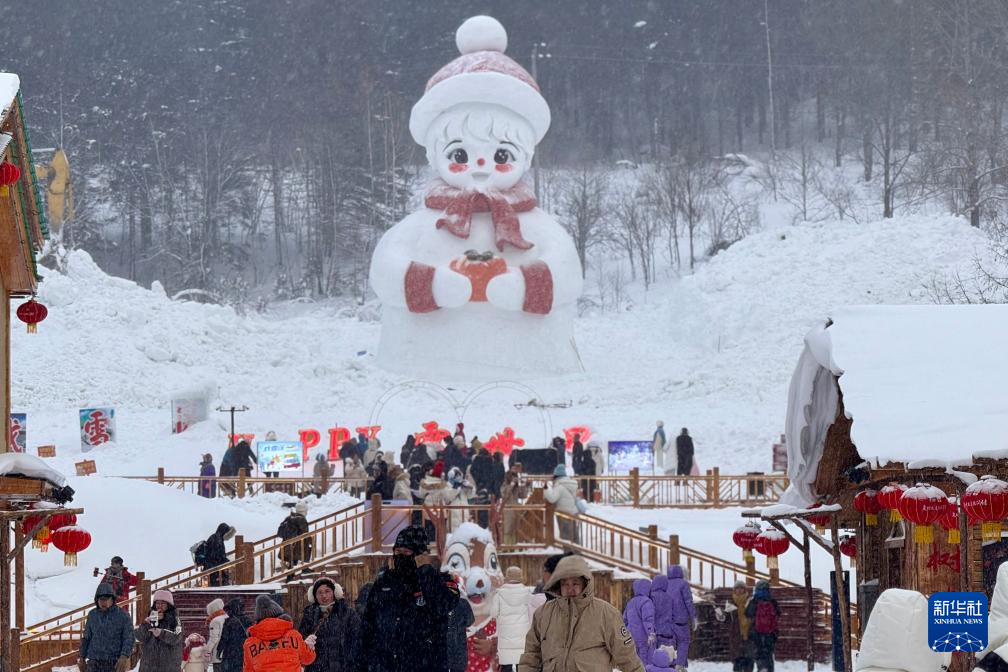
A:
(957, 622)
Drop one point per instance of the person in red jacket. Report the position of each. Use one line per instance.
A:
(117, 576)
(273, 645)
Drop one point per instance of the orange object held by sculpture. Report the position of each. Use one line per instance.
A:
(480, 270)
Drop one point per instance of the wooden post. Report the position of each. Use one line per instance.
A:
(709, 484)
(238, 575)
(19, 572)
(143, 600)
(242, 475)
(809, 612)
(652, 533)
(376, 523)
(635, 487)
(841, 595)
(296, 598)
(673, 549)
(774, 576)
(5, 596)
(160, 475)
(248, 562)
(750, 568)
(549, 522)
(716, 486)
(13, 657)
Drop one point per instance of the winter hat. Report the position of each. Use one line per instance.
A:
(214, 607)
(438, 470)
(740, 584)
(163, 595)
(514, 575)
(413, 538)
(561, 470)
(267, 608)
(104, 590)
(336, 588)
(661, 423)
(455, 475)
(482, 74)
(301, 507)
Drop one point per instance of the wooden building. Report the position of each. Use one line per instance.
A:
(22, 224)
(900, 395)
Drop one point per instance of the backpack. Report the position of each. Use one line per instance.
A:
(198, 551)
(766, 618)
(287, 529)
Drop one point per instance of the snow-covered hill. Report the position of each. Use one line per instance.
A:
(712, 352)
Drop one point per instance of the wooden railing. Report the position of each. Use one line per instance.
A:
(711, 490)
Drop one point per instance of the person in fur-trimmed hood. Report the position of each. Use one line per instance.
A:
(160, 637)
(336, 626)
(577, 632)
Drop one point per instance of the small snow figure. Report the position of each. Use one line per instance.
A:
(481, 261)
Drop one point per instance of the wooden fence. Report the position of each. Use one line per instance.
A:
(710, 490)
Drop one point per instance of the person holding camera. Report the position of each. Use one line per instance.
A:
(160, 636)
(107, 642)
(117, 576)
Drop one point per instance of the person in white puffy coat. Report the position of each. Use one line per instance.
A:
(995, 657)
(512, 609)
(215, 617)
(896, 637)
(563, 494)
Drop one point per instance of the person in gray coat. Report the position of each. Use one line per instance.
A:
(108, 635)
(160, 636)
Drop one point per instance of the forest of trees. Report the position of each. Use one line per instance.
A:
(259, 149)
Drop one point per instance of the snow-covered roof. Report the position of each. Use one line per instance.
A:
(922, 385)
(22, 464)
(9, 86)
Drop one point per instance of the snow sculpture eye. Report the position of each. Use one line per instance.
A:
(492, 563)
(502, 156)
(459, 156)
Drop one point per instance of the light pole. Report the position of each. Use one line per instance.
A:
(536, 55)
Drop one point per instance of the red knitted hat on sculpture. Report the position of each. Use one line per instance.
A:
(482, 74)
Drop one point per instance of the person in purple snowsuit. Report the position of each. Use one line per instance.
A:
(659, 660)
(662, 609)
(680, 613)
(638, 616)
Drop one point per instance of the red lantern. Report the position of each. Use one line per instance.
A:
(71, 540)
(745, 538)
(950, 522)
(58, 520)
(772, 543)
(32, 312)
(986, 501)
(889, 498)
(821, 522)
(867, 503)
(923, 505)
(848, 546)
(41, 538)
(9, 174)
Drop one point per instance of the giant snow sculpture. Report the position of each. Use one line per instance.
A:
(480, 281)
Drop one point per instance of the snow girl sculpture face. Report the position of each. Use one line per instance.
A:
(471, 558)
(480, 147)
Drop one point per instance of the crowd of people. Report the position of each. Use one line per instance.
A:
(413, 616)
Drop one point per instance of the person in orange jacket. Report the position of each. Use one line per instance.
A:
(273, 644)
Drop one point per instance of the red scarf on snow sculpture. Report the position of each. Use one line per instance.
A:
(503, 206)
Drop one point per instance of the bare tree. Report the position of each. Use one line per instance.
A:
(581, 205)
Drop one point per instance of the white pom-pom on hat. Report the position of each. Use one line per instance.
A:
(481, 33)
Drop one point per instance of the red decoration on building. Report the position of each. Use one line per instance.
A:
(889, 498)
(820, 521)
(938, 560)
(772, 543)
(9, 174)
(867, 503)
(848, 547)
(950, 522)
(31, 312)
(569, 433)
(745, 538)
(923, 505)
(504, 442)
(986, 501)
(71, 540)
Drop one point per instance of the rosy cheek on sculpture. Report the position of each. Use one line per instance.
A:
(504, 167)
(458, 167)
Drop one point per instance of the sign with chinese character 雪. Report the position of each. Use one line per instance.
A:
(18, 440)
(187, 412)
(97, 426)
(957, 622)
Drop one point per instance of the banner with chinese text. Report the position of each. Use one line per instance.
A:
(187, 412)
(18, 432)
(97, 426)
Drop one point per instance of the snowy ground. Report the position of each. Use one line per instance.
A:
(713, 351)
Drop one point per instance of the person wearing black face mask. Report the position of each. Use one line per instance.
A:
(406, 615)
